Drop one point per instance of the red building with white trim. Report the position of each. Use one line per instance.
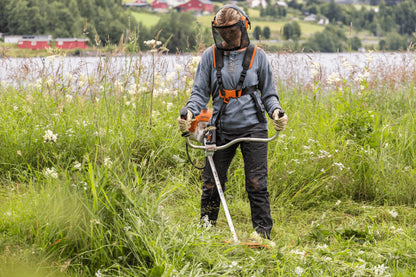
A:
(160, 6)
(71, 43)
(33, 44)
(201, 6)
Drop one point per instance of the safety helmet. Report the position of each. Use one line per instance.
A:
(233, 36)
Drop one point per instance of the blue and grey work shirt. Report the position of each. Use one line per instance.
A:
(240, 115)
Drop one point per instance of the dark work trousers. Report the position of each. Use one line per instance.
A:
(255, 168)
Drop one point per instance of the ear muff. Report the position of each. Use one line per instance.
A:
(246, 22)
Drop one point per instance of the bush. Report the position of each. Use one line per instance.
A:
(332, 39)
(266, 32)
(257, 32)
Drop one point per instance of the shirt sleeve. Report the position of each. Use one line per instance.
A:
(201, 89)
(266, 84)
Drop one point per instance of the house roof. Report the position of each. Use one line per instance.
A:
(71, 39)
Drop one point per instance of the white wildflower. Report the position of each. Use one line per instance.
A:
(169, 106)
(152, 43)
(298, 252)
(50, 172)
(393, 213)
(299, 271)
(98, 274)
(195, 62)
(95, 221)
(233, 264)
(69, 77)
(170, 76)
(108, 162)
(346, 64)
(338, 202)
(68, 97)
(51, 58)
(38, 84)
(333, 78)
(327, 259)
(49, 81)
(359, 77)
(178, 68)
(321, 247)
(49, 136)
(84, 185)
(340, 166)
(77, 165)
(380, 270)
(369, 56)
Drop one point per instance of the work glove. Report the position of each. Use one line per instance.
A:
(279, 122)
(185, 120)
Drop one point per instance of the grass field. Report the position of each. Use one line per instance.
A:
(94, 177)
(276, 27)
(148, 19)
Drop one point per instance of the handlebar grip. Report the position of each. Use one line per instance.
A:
(184, 112)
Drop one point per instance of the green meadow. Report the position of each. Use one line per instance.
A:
(95, 180)
(276, 27)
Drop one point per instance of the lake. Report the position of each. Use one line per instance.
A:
(293, 67)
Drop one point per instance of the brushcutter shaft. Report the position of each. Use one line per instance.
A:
(222, 197)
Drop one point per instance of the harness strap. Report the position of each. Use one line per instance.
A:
(218, 57)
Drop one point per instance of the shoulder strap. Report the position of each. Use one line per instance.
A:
(218, 57)
(247, 63)
(249, 56)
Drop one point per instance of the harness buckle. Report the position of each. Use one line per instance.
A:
(226, 94)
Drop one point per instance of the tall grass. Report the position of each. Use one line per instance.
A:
(89, 188)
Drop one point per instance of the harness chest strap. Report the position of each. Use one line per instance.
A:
(218, 57)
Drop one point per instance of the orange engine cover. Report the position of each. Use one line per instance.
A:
(203, 117)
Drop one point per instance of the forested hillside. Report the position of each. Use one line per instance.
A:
(66, 18)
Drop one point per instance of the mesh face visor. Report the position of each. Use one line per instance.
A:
(231, 37)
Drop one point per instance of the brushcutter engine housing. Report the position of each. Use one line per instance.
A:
(198, 126)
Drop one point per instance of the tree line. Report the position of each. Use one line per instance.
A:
(105, 22)
(101, 21)
(392, 21)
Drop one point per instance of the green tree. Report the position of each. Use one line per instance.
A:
(266, 32)
(355, 43)
(332, 39)
(296, 30)
(291, 31)
(406, 17)
(4, 6)
(257, 32)
(287, 31)
(181, 28)
(395, 41)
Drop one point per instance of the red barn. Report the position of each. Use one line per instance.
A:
(201, 6)
(137, 3)
(33, 44)
(71, 43)
(160, 6)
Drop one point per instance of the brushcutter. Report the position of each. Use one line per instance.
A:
(209, 145)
